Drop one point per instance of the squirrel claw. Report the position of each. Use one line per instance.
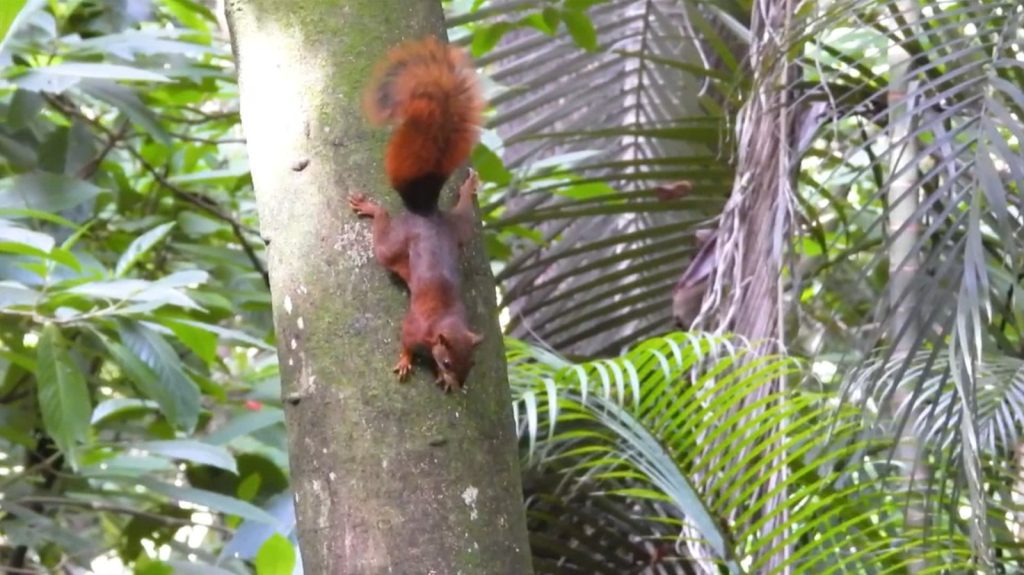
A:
(403, 368)
(361, 205)
(446, 386)
(471, 184)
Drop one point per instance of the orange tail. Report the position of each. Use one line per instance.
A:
(431, 91)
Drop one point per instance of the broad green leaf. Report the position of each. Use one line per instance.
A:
(15, 235)
(117, 291)
(58, 255)
(487, 37)
(146, 566)
(45, 192)
(223, 333)
(140, 246)
(581, 4)
(129, 466)
(24, 107)
(215, 501)
(195, 15)
(22, 155)
(546, 21)
(13, 293)
(16, 213)
(246, 424)
(249, 487)
(78, 70)
(580, 28)
(193, 451)
(196, 225)
(131, 43)
(120, 405)
(154, 366)
(552, 18)
(184, 278)
(63, 394)
(202, 342)
(490, 166)
(275, 557)
(68, 150)
(128, 102)
(9, 11)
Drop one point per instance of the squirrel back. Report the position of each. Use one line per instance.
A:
(431, 92)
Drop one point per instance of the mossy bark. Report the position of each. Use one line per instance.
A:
(388, 477)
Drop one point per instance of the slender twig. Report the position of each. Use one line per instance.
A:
(199, 139)
(219, 115)
(198, 200)
(120, 509)
(88, 170)
(212, 208)
(202, 119)
(48, 462)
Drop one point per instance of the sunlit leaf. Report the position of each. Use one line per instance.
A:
(152, 364)
(63, 394)
(192, 451)
(140, 246)
(275, 557)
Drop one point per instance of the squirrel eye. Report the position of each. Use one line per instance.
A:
(447, 364)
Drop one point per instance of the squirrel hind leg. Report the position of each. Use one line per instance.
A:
(390, 242)
(462, 214)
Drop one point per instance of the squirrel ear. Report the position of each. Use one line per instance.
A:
(475, 338)
(441, 339)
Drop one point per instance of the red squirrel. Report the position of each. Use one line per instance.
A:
(431, 92)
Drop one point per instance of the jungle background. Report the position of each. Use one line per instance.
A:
(858, 413)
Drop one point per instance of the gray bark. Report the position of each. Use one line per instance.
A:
(388, 477)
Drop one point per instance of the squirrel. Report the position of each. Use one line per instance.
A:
(431, 92)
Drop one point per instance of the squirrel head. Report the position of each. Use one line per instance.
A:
(453, 353)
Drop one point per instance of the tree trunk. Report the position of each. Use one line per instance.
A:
(746, 291)
(903, 232)
(388, 478)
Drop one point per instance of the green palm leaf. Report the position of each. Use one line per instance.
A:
(663, 436)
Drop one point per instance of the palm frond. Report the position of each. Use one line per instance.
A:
(662, 435)
(586, 138)
(934, 179)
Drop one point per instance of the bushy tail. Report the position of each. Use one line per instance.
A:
(431, 92)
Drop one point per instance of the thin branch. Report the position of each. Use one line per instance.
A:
(88, 170)
(31, 470)
(204, 117)
(198, 200)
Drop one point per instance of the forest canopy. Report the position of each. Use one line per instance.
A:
(758, 265)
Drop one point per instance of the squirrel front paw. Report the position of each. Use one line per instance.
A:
(362, 205)
(448, 385)
(404, 367)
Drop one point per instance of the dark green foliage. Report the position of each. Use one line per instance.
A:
(133, 306)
